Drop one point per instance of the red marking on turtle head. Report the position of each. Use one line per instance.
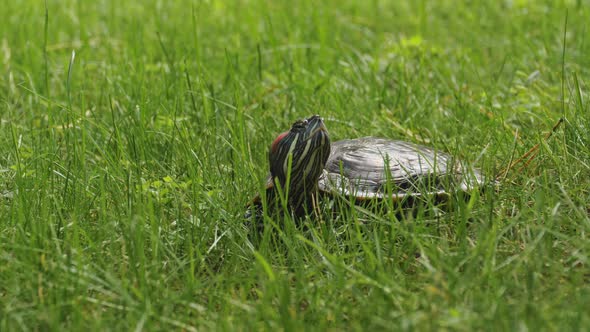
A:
(275, 143)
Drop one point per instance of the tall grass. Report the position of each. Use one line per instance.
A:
(125, 169)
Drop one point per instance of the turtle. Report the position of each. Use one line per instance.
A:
(305, 164)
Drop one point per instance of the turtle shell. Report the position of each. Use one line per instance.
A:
(374, 168)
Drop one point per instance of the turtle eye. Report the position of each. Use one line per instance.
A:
(299, 125)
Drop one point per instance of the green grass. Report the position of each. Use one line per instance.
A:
(125, 169)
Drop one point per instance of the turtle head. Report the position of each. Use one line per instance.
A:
(300, 155)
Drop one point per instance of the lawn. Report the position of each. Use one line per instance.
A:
(133, 134)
